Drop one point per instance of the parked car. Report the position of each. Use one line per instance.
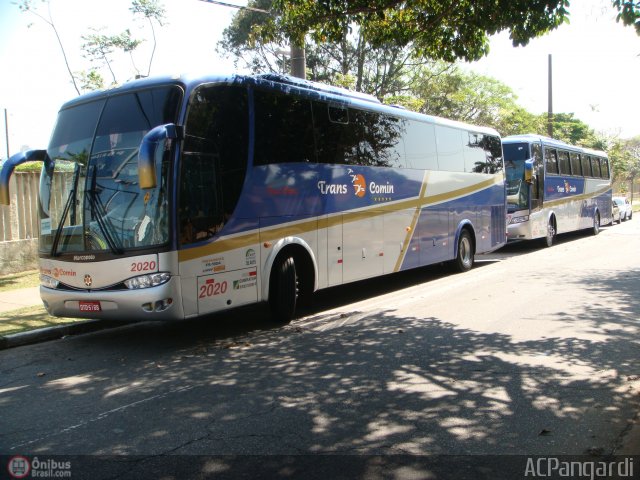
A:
(615, 213)
(625, 208)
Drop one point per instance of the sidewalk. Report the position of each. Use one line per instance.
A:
(13, 300)
(20, 298)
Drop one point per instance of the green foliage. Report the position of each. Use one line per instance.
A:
(438, 29)
(29, 167)
(628, 13)
(625, 159)
(100, 48)
(572, 130)
(448, 91)
(91, 80)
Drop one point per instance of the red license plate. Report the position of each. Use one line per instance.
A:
(90, 307)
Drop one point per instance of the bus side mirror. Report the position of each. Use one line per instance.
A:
(152, 141)
(528, 171)
(11, 164)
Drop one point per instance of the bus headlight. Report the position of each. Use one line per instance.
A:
(47, 281)
(146, 281)
(522, 219)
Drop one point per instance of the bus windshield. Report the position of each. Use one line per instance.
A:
(515, 155)
(90, 200)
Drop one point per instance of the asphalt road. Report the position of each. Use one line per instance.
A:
(533, 352)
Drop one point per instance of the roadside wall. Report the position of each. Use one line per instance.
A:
(18, 256)
(19, 225)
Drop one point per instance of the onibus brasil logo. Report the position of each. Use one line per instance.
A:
(21, 467)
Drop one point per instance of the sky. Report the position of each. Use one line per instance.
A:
(596, 61)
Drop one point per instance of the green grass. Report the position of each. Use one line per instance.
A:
(29, 318)
(19, 280)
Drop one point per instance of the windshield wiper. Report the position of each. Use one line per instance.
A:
(65, 212)
(99, 213)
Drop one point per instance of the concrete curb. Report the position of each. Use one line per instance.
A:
(53, 333)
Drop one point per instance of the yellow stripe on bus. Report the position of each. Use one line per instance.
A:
(414, 222)
(306, 226)
(576, 198)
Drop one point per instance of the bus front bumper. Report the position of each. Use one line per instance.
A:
(519, 231)
(155, 303)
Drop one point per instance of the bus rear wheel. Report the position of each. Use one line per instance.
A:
(465, 254)
(283, 290)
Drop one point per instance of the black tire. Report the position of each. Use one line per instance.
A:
(550, 238)
(283, 290)
(464, 253)
(596, 224)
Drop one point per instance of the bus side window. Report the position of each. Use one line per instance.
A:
(450, 149)
(576, 168)
(420, 145)
(551, 160)
(490, 158)
(604, 164)
(564, 166)
(357, 137)
(380, 143)
(330, 136)
(585, 160)
(214, 161)
(284, 132)
(595, 167)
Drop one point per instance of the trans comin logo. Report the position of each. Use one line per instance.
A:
(359, 186)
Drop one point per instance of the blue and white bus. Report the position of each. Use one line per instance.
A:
(554, 188)
(170, 198)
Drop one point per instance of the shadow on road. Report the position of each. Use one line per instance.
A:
(350, 384)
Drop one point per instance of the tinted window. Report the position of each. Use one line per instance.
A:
(284, 129)
(585, 160)
(357, 137)
(152, 108)
(483, 154)
(595, 167)
(604, 167)
(551, 160)
(214, 161)
(76, 125)
(380, 139)
(563, 163)
(515, 151)
(576, 168)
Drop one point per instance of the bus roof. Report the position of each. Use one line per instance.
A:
(532, 137)
(284, 83)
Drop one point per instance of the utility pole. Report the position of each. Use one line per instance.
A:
(550, 110)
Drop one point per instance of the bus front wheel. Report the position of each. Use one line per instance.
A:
(464, 258)
(283, 290)
(596, 224)
(550, 238)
